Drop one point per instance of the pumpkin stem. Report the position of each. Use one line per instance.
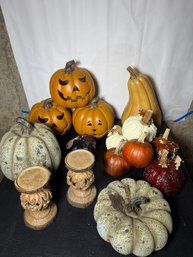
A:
(134, 74)
(134, 204)
(48, 103)
(142, 138)
(130, 208)
(115, 129)
(70, 66)
(120, 146)
(94, 102)
(25, 127)
(147, 117)
(163, 162)
(165, 136)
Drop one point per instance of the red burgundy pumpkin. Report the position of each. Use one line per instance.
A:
(51, 114)
(165, 174)
(138, 152)
(72, 86)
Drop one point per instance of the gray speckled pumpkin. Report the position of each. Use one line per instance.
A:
(133, 217)
(26, 145)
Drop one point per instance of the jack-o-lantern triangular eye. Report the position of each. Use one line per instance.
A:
(42, 120)
(89, 123)
(60, 117)
(83, 79)
(63, 82)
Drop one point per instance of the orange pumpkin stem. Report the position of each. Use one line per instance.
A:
(147, 117)
(48, 103)
(134, 74)
(94, 102)
(164, 159)
(70, 66)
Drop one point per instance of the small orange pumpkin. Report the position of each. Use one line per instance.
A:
(72, 86)
(139, 153)
(51, 114)
(95, 119)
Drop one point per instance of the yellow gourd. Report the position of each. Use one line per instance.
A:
(141, 97)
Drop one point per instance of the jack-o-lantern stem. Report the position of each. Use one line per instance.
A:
(48, 103)
(93, 103)
(69, 68)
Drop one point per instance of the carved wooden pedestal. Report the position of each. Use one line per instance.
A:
(36, 197)
(80, 177)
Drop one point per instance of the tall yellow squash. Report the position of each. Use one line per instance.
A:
(141, 97)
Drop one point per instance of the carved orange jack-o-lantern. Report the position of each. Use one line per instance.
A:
(95, 119)
(72, 86)
(51, 114)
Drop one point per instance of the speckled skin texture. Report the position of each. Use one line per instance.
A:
(21, 149)
(139, 230)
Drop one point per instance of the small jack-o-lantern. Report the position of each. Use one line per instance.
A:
(51, 114)
(95, 119)
(72, 86)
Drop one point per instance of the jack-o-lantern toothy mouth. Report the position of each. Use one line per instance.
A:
(79, 97)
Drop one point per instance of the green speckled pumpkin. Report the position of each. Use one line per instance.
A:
(133, 217)
(26, 145)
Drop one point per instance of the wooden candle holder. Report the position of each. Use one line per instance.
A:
(36, 197)
(80, 178)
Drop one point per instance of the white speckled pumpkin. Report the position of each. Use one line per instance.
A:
(134, 126)
(114, 136)
(26, 145)
(133, 217)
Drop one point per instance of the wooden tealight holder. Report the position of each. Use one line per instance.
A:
(36, 197)
(80, 178)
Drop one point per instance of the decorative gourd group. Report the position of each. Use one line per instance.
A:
(132, 216)
(72, 90)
